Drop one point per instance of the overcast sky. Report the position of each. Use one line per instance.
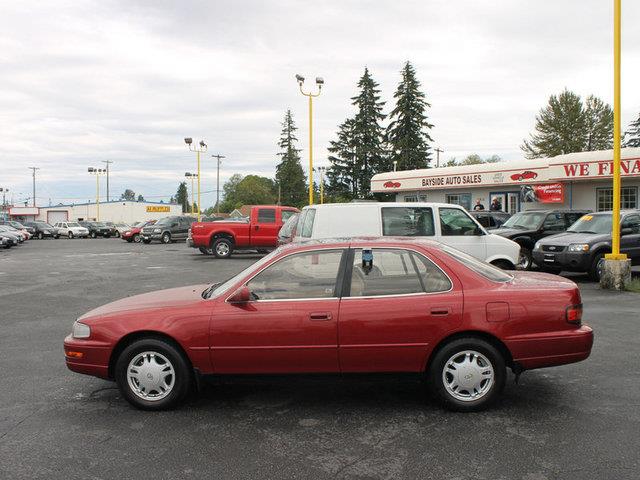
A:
(86, 81)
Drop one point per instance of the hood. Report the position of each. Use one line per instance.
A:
(567, 238)
(510, 232)
(173, 297)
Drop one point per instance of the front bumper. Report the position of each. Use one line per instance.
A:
(94, 360)
(548, 349)
(565, 260)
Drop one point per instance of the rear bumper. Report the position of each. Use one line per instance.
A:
(95, 357)
(549, 349)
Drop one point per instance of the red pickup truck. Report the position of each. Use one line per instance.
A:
(259, 231)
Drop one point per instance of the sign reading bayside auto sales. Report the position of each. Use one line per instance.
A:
(158, 208)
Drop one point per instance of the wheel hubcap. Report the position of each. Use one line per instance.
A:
(468, 376)
(222, 249)
(150, 376)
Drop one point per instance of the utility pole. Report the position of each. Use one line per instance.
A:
(438, 152)
(219, 157)
(34, 183)
(107, 162)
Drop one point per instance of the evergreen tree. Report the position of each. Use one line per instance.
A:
(289, 173)
(140, 198)
(341, 175)
(566, 125)
(632, 135)
(182, 197)
(599, 122)
(128, 195)
(408, 132)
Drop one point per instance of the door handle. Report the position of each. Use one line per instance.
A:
(320, 316)
(257, 227)
(440, 311)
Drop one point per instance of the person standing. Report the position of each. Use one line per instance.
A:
(478, 205)
(496, 206)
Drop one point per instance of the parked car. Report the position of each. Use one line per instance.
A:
(583, 246)
(72, 229)
(490, 218)
(443, 222)
(5, 242)
(133, 233)
(18, 226)
(42, 229)
(96, 229)
(288, 230)
(168, 229)
(400, 305)
(120, 228)
(12, 233)
(526, 228)
(259, 231)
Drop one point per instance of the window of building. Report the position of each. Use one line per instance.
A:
(415, 198)
(628, 198)
(462, 199)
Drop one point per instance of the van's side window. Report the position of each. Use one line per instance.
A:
(407, 221)
(454, 221)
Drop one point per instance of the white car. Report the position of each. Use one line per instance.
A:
(446, 223)
(71, 229)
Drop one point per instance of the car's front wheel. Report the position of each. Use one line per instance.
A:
(40, 235)
(153, 374)
(93, 235)
(525, 262)
(70, 234)
(595, 271)
(166, 237)
(467, 374)
(136, 238)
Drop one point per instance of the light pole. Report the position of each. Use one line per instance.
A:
(4, 199)
(202, 147)
(107, 162)
(34, 183)
(438, 152)
(319, 83)
(321, 171)
(97, 172)
(192, 176)
(219, 157)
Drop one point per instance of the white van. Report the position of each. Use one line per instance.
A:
(446, 223)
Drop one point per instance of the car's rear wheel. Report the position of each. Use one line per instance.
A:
(136, 238)
(153, 374)
(166, 237)
(525, 260)
(93, 235)
(595, 270)
(117, 234)
(40, 235)
(222, 248)
(70, 234)
(467, 374)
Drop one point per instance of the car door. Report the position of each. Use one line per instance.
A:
(264, 228)
(460, 231)
(630, 242)
(395, 303)
(290, 325)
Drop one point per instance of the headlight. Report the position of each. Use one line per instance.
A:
(80, 330)
(537, 246)
(157, 230)
(579, 247)
(128, 232)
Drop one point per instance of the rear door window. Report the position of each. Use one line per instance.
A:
(454, 222)
(266, 215)
(554, 223)
(407, 221)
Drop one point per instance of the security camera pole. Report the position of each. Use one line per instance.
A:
(319, 83)
(202, 147)
(34, 183)
(97, 172)
(219, 157)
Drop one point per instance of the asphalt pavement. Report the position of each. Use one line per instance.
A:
(579, 421)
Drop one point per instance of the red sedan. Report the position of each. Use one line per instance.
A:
(133, 234)
(368, 305)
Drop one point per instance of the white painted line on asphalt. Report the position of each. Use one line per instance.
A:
(98, 254)
(149, 268)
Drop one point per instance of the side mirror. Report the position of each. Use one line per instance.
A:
(626, 231)
(241, 296)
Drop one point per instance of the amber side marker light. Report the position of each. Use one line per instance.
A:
(75, 354)
(574, 314)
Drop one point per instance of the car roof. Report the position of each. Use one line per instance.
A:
(357, 242)
(382, 204)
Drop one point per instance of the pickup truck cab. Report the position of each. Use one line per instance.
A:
(259, 231)
(444, 222)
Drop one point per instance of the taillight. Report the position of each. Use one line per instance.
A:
(574, 314)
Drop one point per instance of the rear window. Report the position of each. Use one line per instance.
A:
(487, 270)
(307, 226)
(267, 215)
(407, 221)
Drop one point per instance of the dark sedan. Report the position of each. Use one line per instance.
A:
(42, 229)
(97, 229)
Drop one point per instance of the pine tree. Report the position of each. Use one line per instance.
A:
(599, 122)
(368, 134)
(341, 175)
(632, 135)
(408, 132)
(289, 173)
(182, 197)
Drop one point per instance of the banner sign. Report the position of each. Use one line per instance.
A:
(158, 208)
(545, 193)
(600, 168)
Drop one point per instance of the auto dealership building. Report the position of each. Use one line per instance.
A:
(577, 180)
(114, 211)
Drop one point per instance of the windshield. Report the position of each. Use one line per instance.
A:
(592, 224)
(164, 221)
(43, 225)
(525, 220)
(99, 224)
(485, 269)
(73, 224)
(16, 225)
(289, 225)
(219, 288)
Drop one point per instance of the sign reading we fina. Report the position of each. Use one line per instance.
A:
(158, 208)
(596, 169)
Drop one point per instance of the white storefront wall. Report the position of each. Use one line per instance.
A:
(119, 211)
(578, 180)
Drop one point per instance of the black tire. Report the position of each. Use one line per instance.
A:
(146, 241)
(117, 234)
(436, 375)
(503, 264)
(70, 234)
(166, 238)
(93, 235)
(222, 247)
(525, 262)
(594, 269)
(136, 238)
(40, 235)
(206, 251)
(128, 240)
(182, 380)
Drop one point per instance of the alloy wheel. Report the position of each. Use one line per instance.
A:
(222, 249)
(150, 376)
(468, 375)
